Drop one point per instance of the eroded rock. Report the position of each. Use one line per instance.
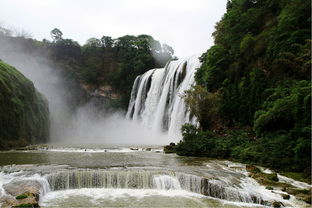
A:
(18, 187)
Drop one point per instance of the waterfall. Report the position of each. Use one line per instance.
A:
(149, 179)
(165, 182)
(156, 100)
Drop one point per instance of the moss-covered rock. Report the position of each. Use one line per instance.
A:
(271, 182)
(286, 196)
(273, 177)
(301, 194)
(22, 196)
(24, 113)
(170, 148)
(276, 204)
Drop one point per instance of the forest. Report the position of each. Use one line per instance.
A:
(253, 92)
(108, 62)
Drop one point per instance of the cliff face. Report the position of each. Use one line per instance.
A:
(24, 113)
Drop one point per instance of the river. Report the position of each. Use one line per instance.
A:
(144, 176)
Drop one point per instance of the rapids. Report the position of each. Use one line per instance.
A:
(140, 176)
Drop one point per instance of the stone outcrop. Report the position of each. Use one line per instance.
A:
(21, 193)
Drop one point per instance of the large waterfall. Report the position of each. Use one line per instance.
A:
(156, 98)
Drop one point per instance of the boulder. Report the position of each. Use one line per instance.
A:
(18, 187)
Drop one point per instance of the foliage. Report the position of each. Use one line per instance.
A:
(107, 61)
(24, 114)
(286, 108)
(203, 105)
(56, 34)
(99, 62)
(196, 142)
(243, 146)
(260, 69)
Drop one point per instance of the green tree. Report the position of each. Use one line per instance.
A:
(56, 34)
(107, 41)
(204, 105)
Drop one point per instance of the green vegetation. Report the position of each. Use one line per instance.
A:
(27, 205)
(169, 148)
(253, 98)
(22, 196)
(298, 176)
(24, 114)
(109, 62)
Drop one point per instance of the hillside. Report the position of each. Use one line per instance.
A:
(24, 113)
(253, 96)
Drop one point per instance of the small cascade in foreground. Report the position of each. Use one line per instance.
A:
(165, 182)
(148, 179)
(156, 100)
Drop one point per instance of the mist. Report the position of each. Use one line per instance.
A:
(86, 123)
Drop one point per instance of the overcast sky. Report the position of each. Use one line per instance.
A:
(185, 25)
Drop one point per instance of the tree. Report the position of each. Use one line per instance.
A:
(56, 34)
(94, 42)
(204, 105)
(107, 41)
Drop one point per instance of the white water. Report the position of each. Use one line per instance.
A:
(123, 198)
(165, 182)
(130, 183)
(158, 180)
(156, 98)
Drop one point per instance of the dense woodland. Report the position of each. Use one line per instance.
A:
(253, 98)
(108, 62)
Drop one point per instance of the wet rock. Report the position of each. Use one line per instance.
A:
(266, 203)
(272, 177)
(252, 169)
(277, 204)
(307, 199)
(235, 165)
(26, 199)
(204, 186)
(18, 187)
(7, 201)
(300, 194)
(286, 196)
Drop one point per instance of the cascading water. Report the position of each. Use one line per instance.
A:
(129, 179)
(228, 184)
(165, 182)
(156, 100)
(148, 179)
